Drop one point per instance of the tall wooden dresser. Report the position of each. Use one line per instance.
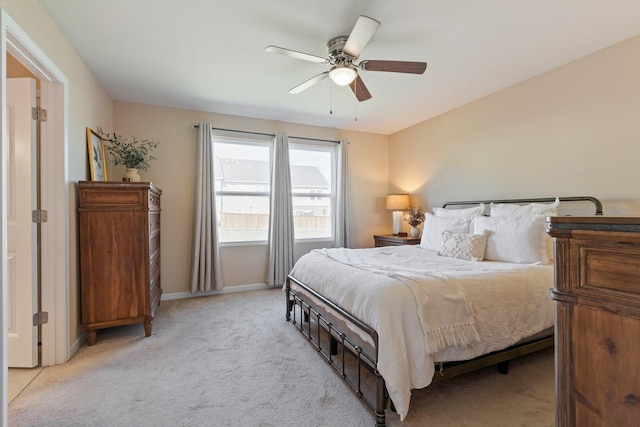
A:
(119, 254)
(597, 294)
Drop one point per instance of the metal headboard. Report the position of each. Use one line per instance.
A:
(596, 202)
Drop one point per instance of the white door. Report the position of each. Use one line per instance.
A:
(22, 336)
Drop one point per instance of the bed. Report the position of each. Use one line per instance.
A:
(474, 293)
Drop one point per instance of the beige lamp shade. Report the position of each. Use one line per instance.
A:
(398, 202)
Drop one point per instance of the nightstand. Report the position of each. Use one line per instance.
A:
(391, 240)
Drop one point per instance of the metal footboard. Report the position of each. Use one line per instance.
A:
(335, 346)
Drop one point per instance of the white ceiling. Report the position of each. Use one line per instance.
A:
(208, 55)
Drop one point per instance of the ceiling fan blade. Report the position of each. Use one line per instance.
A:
(394, 66)
(359, 89)
(307, 84)
(296, 54)
(362, 32)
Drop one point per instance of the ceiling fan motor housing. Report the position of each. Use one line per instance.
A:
(335, 47)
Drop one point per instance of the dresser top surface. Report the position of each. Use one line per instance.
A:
(594, 223)
(118, 184)
(598, 219)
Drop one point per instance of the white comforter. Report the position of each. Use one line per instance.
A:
(428, 308)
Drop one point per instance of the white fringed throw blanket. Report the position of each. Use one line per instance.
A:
(445, 313)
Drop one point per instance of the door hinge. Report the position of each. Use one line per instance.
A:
(39, 114)
(39, 216)
(40, 318)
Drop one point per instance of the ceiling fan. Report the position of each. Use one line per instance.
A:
(343, 52)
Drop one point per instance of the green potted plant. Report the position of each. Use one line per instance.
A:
(415, 217)
(132, 153)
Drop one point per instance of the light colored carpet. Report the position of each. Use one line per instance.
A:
(233, 360)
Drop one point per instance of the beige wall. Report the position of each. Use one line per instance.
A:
(88, 106)
(572, 131)
(173, 172)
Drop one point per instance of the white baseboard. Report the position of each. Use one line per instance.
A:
(226, 290)
(75, 346)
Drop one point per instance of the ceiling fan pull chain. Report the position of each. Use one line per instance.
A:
(330, 98)
(355, 104)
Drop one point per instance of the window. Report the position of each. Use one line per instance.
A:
(241, 169)
(313, 171)
(242, 187)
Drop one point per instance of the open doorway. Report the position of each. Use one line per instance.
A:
(54, 293)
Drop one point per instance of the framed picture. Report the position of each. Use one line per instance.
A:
(97, 159)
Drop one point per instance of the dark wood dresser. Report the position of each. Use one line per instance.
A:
(597, 294)
(119, 254)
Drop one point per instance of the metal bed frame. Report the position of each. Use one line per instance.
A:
(334, 344)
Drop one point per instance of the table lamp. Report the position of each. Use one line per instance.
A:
(397, 203)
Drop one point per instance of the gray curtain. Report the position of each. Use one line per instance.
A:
(206, 273)
(344, 230)
(281, 233)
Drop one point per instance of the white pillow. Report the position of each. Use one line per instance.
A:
(531, 209)
(435, 225)
(467, 213)
(512, 239)
(464, 246)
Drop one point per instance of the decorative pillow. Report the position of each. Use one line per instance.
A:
(463, 246)
(512, 239)
(435, 225)
(531, 209)
(467, 213)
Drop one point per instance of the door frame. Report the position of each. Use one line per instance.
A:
(56, 347)
(54, 193)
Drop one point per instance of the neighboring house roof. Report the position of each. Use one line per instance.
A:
(308, 176)
(256, 172)
(243, 171)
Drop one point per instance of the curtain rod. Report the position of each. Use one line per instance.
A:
(239, 131)
(270, 134)
(314, 139)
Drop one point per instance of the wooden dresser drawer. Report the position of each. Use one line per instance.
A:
(154, 223)
(155, 295)
(154, 246)
(391, 240)
(154, 201)
(603, 357)
(103, 198)
(154, 266)
(115, 195)
(607, 269)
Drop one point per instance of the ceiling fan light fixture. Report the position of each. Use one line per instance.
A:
(342, 74)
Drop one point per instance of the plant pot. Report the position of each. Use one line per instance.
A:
(415, 231)
(131, 175)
